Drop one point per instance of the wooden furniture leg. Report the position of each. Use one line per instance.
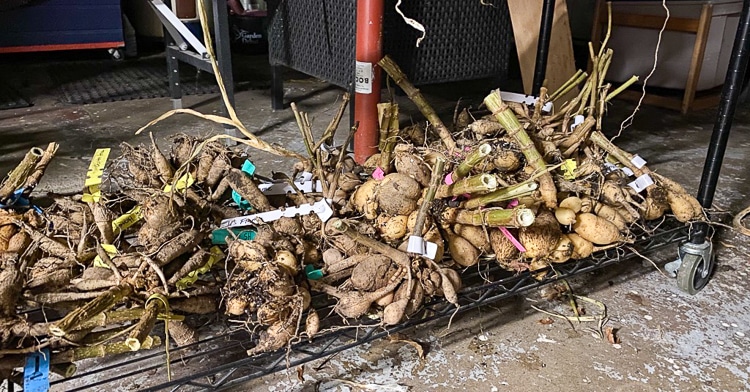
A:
(699, 49)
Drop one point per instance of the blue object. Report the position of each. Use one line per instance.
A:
(219, 236)
(62, 25)
(195, 28)
(16, 200)
(248, 168)
(36, 372)
(312, 273)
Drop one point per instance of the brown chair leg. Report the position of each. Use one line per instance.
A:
(699, 49)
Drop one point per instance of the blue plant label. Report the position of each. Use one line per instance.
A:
(249, 168)
(36, 372)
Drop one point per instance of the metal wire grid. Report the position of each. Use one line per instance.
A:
(315, 37)
(466, 40)
(226, 362)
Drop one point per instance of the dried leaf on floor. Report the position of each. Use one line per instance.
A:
(399, 337)
(611, 334)
(301, 373)
(546, 321)
(552, 292)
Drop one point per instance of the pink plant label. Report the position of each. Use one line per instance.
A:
(512, 239)
(449, 179)
(378, 174)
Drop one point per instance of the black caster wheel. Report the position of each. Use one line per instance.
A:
(694, 273)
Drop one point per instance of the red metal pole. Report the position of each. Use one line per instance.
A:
(367, 82)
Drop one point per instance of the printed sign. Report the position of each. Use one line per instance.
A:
(363, 78)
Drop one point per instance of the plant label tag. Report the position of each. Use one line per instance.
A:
(282, 188)
(449, 179)
(326, 148)
(91, 193)
(219, 236)
(638, 161)
(610, 167)
(111, 251)
(215, 255)
(303, 182)
(249, 169)
(569, 169)
(313, 273)
(577, 120)
(512, 239)
(378, 174)
(416, 244)
(419, 246)
(641, 183)
(363, 78)
(183, 183)
(16, 199)
(36, 372)
(524, 99)
(321, 208)
(304, 176)
(126, 220)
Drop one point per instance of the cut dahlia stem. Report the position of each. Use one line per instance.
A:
(517, 217)
(509, 193)
(398, 76)
(509, 121)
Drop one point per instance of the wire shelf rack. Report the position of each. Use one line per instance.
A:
(220, 361)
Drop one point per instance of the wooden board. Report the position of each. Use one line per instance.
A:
(526, 18)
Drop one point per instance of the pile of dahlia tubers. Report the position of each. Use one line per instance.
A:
(91, 275)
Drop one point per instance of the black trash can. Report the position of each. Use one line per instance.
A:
(249, 33)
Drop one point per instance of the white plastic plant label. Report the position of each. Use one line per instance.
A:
(611, 167)
(419, 246)
(363, 78)
(641, 183)
(577, 120)
(303, 182)
(524, 99)
(638, 162)
(320, 208)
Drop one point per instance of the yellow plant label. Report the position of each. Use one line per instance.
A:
(183, 183)
(99, 263)
(216, 255)
(569, 167)
(91, 192)
(126, 220)
(111, 251)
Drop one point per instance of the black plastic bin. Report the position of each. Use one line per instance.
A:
(465, 39)
(248, 34)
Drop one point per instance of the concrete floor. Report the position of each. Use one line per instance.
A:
(670, 341)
